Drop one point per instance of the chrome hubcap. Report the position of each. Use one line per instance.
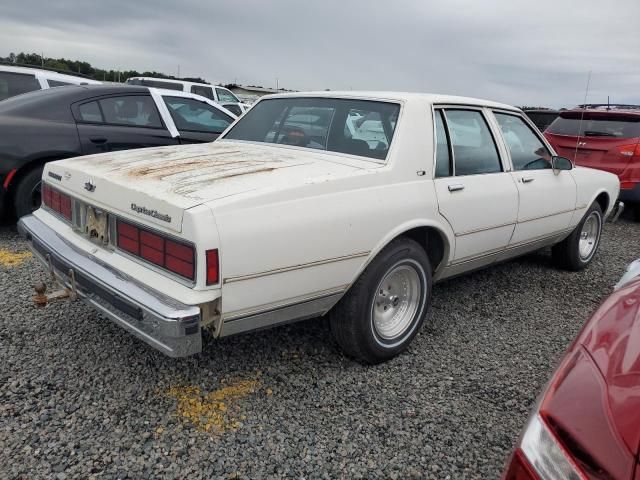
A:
(589, 236)
(396, 301)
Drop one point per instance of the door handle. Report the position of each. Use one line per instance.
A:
(98, 140)
(527, 179)
(456, 187)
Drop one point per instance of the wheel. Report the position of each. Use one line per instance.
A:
(27, 196)
(577, 250)
(384, 309)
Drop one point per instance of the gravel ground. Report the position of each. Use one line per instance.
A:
(80, 398)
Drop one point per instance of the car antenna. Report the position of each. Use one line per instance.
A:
(584, 106)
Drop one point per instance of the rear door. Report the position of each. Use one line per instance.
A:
(602, 140)
(124, 122)
(196, 121)
(475, 192)
(547, 198)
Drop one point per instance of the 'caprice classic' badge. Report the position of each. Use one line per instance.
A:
(55, 175)
(152, 213)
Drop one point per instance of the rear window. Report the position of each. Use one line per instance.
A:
(596, 126)
(12, 84)
(355, 127)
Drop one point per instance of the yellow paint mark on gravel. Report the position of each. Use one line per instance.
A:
(12, 259)
(212, 411)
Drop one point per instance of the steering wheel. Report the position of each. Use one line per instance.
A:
(295, 137)
(537, 164)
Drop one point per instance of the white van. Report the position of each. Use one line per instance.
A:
(17, 80)
(212, 92)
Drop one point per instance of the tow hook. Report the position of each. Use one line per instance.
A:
(41, 298)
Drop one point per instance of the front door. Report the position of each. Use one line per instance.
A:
(547, 198)
(196, 121)
(477, 197)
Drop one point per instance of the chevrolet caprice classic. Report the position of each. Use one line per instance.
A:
(345, 204)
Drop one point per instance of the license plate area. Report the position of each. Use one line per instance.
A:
(96, 225)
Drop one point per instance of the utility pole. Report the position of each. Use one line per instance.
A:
(178, 71)
(42, 58)
(277, 84)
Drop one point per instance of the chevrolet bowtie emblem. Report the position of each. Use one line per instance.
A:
(89, 186)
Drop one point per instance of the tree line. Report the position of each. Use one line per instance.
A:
(85, 68)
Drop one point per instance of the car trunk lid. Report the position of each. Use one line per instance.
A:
(156, 185)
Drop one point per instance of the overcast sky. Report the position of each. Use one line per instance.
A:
(533, 52)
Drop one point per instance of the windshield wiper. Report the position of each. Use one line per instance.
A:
(592, 133)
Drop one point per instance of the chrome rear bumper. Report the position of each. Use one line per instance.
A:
(164, 323)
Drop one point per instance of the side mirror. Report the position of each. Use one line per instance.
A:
(561, 163)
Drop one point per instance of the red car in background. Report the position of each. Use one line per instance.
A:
(586, 424)
(606, 137)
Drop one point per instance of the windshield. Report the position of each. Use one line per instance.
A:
(355, 127)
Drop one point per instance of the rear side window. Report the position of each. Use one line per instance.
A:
(596, 126)
(233, 108)
(192, 115)
(133, 110)
(57, 83)
(226, 96)
(443, 156)
(12, 84)
(90, 112)
(355, 127)
(204, 91)
(474, 150)
(159, 84)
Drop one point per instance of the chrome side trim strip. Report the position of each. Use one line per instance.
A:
(302, 310)
(483, 229)
(572, 210)
(510, 247)
(301, 266)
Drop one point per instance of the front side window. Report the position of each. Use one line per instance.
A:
(225, 95)
(202, 91)
(355, 127)
(12, 84)
(526, 149)
(474, 150)
(132, 110)
(191, 115)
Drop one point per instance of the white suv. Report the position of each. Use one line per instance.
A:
(213, 92)
(17, 80)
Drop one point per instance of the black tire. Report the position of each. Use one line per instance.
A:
(566, 254)
(27, 194)
(352, 319)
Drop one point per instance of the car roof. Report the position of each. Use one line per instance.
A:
(432, 98)
(613, 109)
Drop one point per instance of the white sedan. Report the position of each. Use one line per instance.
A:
(296, 212)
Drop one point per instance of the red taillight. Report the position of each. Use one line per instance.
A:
(632, 150)
(56, 201)
(213, 267)
(174, 256)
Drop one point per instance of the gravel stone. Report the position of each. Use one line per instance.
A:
(80, 398)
